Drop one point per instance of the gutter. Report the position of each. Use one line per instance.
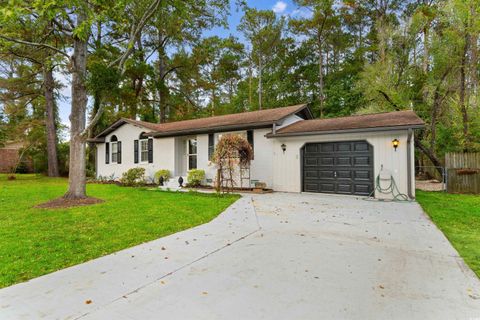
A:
(373, 129)
(409, 164)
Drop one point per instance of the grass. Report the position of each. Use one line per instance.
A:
(458, 216)
(34, 242)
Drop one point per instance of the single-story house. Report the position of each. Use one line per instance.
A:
(292, 151)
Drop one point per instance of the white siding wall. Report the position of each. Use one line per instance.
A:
(163, 153)
(289, 120)
(287, 167)
(169, 153)
(261, 166)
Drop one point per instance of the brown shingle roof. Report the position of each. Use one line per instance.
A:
(229, 121)
(253, 118)
(367, 121)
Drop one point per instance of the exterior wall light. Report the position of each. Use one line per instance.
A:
(284, 147)
(395, 144)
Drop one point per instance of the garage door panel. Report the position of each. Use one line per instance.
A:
(361, 161)
(327, 161)
(362, 189)
(362, 175)
(311, 187)
(327, 187)
(326, 174)
(344, 161)
(344, 188)
(326, 147)
(344, 174)
(311, 162)
(311, 174)
(338, 167)
(311, 148)
(361, 146)
(343, 147)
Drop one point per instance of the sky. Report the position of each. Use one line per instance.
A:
(280, 7)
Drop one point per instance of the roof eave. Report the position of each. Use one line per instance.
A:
(357, 130)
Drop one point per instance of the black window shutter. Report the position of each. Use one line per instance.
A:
(135, 151)
(150, 150)
(119, 152)
(250, 140)
(211, 146)
(107, 153)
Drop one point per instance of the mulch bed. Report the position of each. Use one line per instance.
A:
(68, 203)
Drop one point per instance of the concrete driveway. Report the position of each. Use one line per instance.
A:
(274, 256)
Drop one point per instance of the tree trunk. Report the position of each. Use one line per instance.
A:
(430, 155)
(250, 101)
(426, 58)
(474, 59)
(76, 177)
(320, 77)
(463, 103)
(162, 69)
(52, 157)
(260, 84)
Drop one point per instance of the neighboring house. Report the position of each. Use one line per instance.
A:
(292, 151)
(9, 157)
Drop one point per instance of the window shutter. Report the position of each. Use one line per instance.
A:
(135, 151)
(107, 153)
(211, 146)
(250, 141)
(150, 150)
(119, 152)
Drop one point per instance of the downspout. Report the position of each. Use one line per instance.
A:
(274, 129)
(409, 164)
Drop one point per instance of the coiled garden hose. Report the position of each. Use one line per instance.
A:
(392, 189)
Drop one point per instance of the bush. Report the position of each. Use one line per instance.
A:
(162, 173)
(22, 168)
(195, 177)
(133, 177)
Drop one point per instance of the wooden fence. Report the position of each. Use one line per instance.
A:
(463, 172)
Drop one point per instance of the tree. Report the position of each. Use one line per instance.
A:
(264, 31)
(75, 21)
(317, 28)
(42, 62)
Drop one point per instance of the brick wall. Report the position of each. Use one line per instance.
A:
(9, 158)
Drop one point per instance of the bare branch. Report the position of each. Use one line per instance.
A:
(94, 121)
(134, 35)
(34, 44)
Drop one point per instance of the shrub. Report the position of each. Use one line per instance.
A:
(162, 173)
(195, 177)
(133, 177)
(22, 168)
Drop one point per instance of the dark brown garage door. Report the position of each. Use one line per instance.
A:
(338, 167)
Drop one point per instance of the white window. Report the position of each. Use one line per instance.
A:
(144, 150)
(114, 152)
(114, 149)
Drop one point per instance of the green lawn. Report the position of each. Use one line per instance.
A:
(458, 216)
(34, 242)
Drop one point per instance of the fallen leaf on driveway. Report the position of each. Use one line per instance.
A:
(88, 301)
